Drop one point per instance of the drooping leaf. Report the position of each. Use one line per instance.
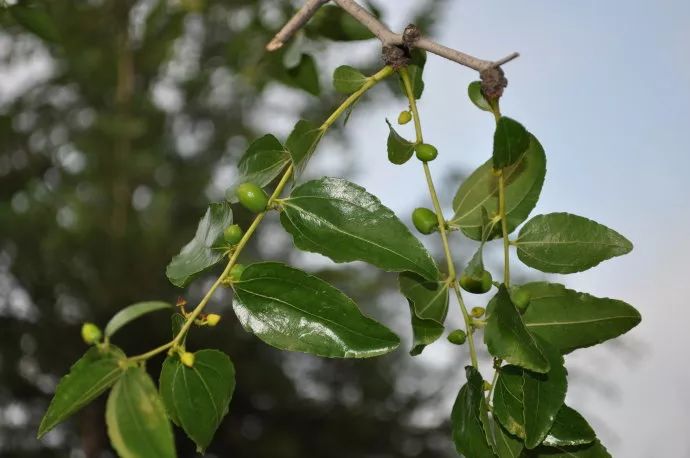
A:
(335, 24)
(305, 75)
(347, 80)
(569, 429)
(90, 376)
(205, 250)
(508, 400)
(570, 320)
(593, 450)
(474, 91)
(543, 396)
(523, 180)
(428, 306)
(507, 338)
(302, 142)
(341, 220)
(197, 397)
(565, 243)
(400, 150)
(263, 161)
(136, 419)
(131, 313)
(468, 433)
(292, 310)
(511, 140)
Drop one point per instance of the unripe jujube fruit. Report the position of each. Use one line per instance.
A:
(252, 197)
(457, 337)
(476, 284)
(424, 220)
(426, 152)
(91, 333)
(233, 234)
(404, 117)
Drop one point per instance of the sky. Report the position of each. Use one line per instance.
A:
(605, 86)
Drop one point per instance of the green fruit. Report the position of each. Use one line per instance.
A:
(233, 234)
(424, 220)
(236, 272)
(252, 197)
(478, 312)
(457, 337)
(91, 333)
(426, 152)
(404, 117)
(476, 284)
(520, 298)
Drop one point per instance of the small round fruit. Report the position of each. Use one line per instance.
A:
(233, 234)
(424, 220)
(252, 197)
(404, 117)
(426, 152)
(212, 319)
(457, 337)
(236, 272)
(476, 285)
(187, 358)
(91, 333)
(521, 298)
(478, 312)
(486, 386)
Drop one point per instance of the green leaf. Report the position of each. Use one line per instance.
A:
(571, 320)
(507, 445)
(507, 338)
(524, 181)
(474, 91)
(90, 376)
(262, 163)
(564, 243)
(415, 68)
(594, 450)
(206, 249)
(295, 311)
(569, 429)
(347, 80)
(36, 20)
(302, 142)
(400, 150)
(428, 306)
(543, 396)
(305, 75)
(341, 220)
(197, 397)
(335, 24)
(508, 400)
(137, 424)
(468, 433)
(511, 140)
(131, 313)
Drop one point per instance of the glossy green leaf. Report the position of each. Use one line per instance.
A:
(197, 397)
(131, 313)
(468, 433)
(565, 243)
(90, 376)
(543, 396)
(137, 424)
(474, 91)
(305, 75)
(35, 19)
(569, 429)
(524, 181)
(400, 150)
(428, 306)
(347, 80)
(507, 338)
(507, 445)
(508, 400)
(295, 311)
(511, 140)
(205, 250)
(594, 450)
(302, 142)
(262, 163)
(571, 320)
(334, 23)
(341, 220)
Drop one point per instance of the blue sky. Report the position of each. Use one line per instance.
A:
(605, 86)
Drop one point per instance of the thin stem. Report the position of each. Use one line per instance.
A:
(285, 179)
(407, 83)
(493, 380)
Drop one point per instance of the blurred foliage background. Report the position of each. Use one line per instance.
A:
(119, 121)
